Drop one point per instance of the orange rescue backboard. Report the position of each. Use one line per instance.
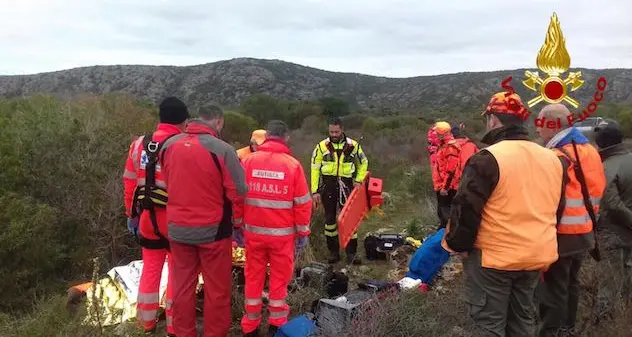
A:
(358, 205)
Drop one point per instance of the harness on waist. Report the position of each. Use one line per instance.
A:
(150, 196)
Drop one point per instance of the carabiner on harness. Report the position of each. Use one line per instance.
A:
(343, 192)
(152, 147)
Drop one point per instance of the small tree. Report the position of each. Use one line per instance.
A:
(237, 127)
(263, 108)
(335, 107)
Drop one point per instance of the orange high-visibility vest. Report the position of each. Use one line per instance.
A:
(576, 219)
(244, 152)
(517, 230)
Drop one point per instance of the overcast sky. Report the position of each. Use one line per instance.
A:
(397, 38)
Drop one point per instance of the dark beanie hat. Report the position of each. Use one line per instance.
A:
(173, 111)
(608, 134)
(456, 130)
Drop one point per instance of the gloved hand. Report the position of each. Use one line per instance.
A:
(238, 236)
(132, 226)
(301, 242)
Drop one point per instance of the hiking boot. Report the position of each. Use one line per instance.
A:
(252, 334)
(352, 259)
(333, 258)
(272, 330)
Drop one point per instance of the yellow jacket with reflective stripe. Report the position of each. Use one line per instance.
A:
(325, 161)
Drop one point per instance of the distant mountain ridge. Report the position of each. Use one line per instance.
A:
(230, 82)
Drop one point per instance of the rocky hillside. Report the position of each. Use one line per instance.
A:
(230, 82)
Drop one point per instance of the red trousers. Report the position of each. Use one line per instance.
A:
(261, 250)
(147, 303)
(215, 261)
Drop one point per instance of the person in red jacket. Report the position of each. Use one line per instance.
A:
(277, 212)
(140, 173)
(468, 147)
(448, 164)
(205, 182)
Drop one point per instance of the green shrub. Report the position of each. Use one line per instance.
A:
(30, 250)
(238, 128)
(65, 162)
(355, 121)
(369, 126)
(263, 108)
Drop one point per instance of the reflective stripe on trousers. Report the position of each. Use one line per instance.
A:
(253, 308)
(278, 312)
(332, 231)
(146, 309)
(169, 314)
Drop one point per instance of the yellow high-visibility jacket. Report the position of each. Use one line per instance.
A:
(325, 161)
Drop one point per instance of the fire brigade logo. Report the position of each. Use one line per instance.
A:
(554, 60)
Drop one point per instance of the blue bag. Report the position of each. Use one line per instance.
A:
(300, 326)
(428, 259)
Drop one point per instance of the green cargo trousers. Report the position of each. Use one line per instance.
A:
(500, 302)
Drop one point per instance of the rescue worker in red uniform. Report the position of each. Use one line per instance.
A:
(153, 230)
(448, 163)
(277, 212)
(559, 293)
(205, 182)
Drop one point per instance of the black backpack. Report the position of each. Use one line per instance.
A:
(149, 196)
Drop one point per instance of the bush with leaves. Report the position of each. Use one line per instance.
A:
(238, 128)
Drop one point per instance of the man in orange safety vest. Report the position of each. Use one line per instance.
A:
(559, 293)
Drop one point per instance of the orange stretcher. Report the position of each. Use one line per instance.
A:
(361, 200)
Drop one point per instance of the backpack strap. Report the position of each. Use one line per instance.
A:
(579, 173)
(595, 253)
(152, 150)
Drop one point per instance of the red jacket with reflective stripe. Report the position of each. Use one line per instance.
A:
(134, 175)
(278, 202)
(202, 196)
